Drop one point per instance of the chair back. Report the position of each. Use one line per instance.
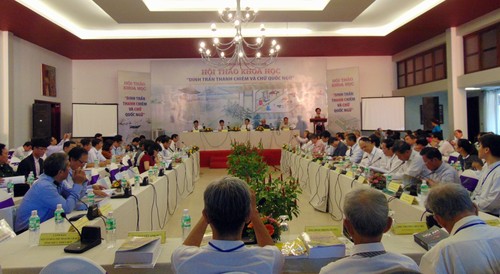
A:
(73, 264)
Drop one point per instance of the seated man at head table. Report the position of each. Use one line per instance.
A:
(439, 171)
(96, 155)
(117, 149)
(34, 162)
(196, 125)
(229, 205)
(286, 125)
(263, 124)
(221, 125)
(366, 219)
(472, 247)
(247, 125)
(49, 190)
(487, 192)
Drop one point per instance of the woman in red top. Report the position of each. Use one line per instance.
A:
(106, 149)
(150, 157)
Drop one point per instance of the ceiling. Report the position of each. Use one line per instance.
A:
(127, 29)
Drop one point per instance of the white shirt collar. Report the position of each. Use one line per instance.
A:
(362, 248)
(464, 221)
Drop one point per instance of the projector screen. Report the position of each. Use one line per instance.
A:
(383, 112)
(89, 119)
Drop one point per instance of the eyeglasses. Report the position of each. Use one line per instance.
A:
(81, 162)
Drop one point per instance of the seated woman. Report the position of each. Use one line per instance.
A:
(229, 204)
(106, 149)
(150, 158)
(468, 153)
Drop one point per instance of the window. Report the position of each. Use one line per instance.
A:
(481, 49)
(422, 68)
(491, 111)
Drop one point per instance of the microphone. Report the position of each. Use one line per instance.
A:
(376, 161)
(63, 214)
(397, 167)
(92, 211)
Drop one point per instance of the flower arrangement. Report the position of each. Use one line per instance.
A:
(207, 129)
(377, 180)
(272, 226)
(259, 128)
(246, 162)
(234, 128)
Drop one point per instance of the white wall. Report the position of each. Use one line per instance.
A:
(412, 111)
(26, 86)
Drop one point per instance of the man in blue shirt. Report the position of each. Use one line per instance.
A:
(48, 191)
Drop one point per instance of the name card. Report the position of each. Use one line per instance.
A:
(51, 239)
(286, 129)
(150, 234)
(336, 229)
(83, 221)
(408, 228)
(493, 222)
(393, 187)
(267, 129)
(349, 174)
(196, 131)
(409, 199)
(362, 180)
(105, 209)
(224, 130)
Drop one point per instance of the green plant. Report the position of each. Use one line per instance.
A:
(246, 162)
(277, 196)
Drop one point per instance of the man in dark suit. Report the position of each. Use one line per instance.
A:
(34, 162)
(340, 147)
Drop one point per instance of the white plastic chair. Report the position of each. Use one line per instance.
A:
(73, 265)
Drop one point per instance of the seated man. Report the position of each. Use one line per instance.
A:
(325, 135)
(68, 145)
(444, 146)
(23, 151)
(48, 191)
(247, 126)
(372, 155)
(77, 160)
(196, 125)
(285, 124)
(420, 144)
(55, 147)
(411, 140)
(117, 149)
(340, 147)
(221, 125)
(134, 145)
(355, 153)
(439, 171)
(34, 162)
(318, 146)
(414, 166)
(366, 219)
(263, 124)
(166, 153)
(175, 145)
(390, 162)
(228, 206)
(472, 247)
(487, 192)
(94, 154)
(5, 169)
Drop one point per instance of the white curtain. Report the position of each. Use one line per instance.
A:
(491, 111)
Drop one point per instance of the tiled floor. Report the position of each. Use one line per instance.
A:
(194, 202)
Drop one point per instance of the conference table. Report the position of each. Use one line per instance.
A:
(155, 204)
(327, 189)
(210, 141)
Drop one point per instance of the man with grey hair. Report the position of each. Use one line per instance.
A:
(49, 191)
(229, 204)
(473, 246)
(367, 219)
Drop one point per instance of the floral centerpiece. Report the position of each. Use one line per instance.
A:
(235, 128)
(207, 129)
(259, 128)
(377, 180)
(272, 226)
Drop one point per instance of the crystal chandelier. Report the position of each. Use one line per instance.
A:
(240, 50)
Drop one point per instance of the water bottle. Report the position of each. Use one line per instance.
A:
(34, 228)
(137, 182)
(155, 170)
(124, 183)
(150, 174)
(110, 230)
(366, 172)
(91, 198)
(31, 178)
(388, 181)
(185, 224)
(424, 191)
(58, 218)
(96, 163)
(113, 159)
(285, 228)
(10, 186)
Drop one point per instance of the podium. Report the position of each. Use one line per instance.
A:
(318, 125)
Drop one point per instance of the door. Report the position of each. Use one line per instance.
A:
(472, 117)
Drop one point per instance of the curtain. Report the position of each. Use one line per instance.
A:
(491, 111)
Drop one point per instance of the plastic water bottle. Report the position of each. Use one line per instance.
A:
(137, 182)
(285, 228)
(10, 186)
(91, 198)
(34, 228)
(155, 170)
(113, 159)
(58, 218)
(31, 178)
(366, 172)
(110, 230)
(185, 224)
(124, 183)
(151, 174)
(424, 191)
(96, 163)
(388, 181)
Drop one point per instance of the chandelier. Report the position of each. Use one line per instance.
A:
(239, 51)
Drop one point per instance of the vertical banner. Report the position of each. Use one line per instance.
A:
(344, 110)
(134, 110)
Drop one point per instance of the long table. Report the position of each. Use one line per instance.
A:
(327, 189)
(222, 140)
(16, 256)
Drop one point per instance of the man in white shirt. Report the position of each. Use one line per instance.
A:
(196, 126)
(24, 151)
(221, 125)
(472, 247)
(411, 140)
(414, 166)
(229, 204)
(390, 162)
(355, 153)
(55, 147)
(444, 146)
(117, 149)
(166, 153)
(247, 126)
(487, 192)
(372, 156)
(366, 219)
(68, 145)
(174, 145)
(94, 154)
(440, 172)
